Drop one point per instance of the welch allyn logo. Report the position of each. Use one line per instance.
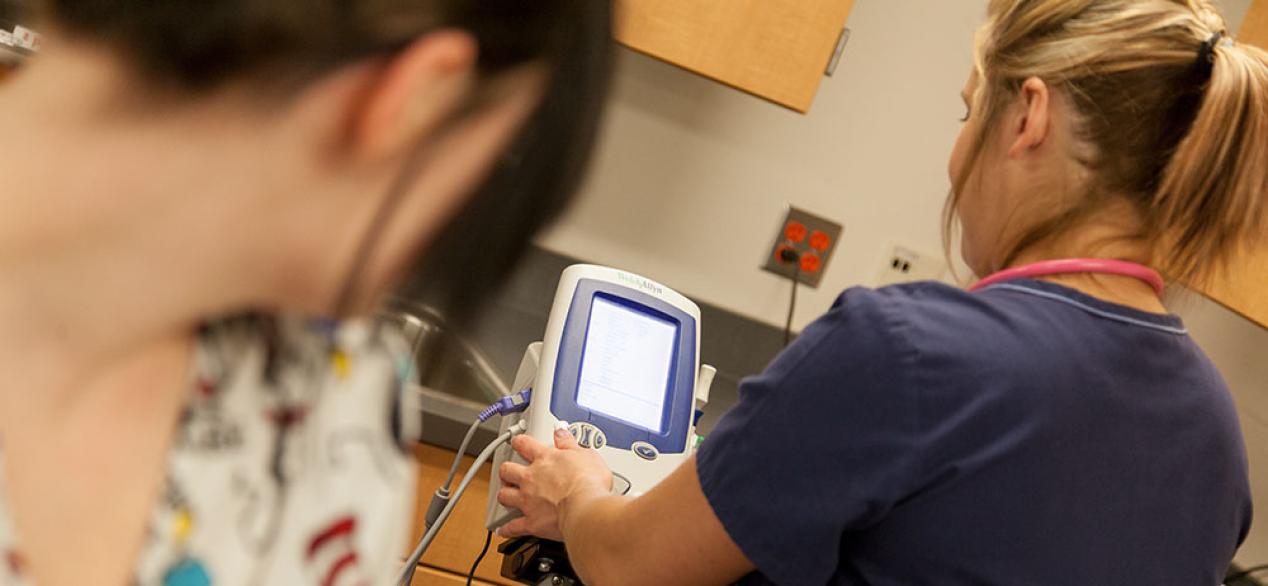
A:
(640, 283)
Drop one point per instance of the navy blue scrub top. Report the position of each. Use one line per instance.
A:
(1024, 435)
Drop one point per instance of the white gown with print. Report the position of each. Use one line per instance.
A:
(289, 465)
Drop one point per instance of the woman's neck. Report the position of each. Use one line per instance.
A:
(1103, 241)
(62, 328)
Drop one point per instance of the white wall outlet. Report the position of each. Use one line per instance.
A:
(904, 264)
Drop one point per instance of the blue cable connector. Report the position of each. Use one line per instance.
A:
(507, 405)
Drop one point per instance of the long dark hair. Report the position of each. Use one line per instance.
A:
(197, 45)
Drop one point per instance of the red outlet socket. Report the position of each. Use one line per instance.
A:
(810, 263)
(795, 231)
(779, 252)
(820, 241)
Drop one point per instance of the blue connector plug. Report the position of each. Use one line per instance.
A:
(507, 405)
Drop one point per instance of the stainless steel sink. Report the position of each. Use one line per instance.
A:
(445, 360)
(453, 377)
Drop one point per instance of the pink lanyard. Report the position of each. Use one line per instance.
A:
(1076, 265)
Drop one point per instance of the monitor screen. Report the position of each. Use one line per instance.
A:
(625, 367)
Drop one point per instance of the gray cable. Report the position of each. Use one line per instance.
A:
(407, 573)
(441, 497)
(453, 469)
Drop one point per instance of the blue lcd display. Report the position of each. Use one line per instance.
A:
(627, 365)
(619, 407)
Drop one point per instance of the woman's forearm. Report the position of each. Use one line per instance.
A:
(595, 533)
(668, 537)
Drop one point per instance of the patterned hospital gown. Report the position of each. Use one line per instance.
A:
(289, 466)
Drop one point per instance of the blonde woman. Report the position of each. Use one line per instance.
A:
(1054, 425)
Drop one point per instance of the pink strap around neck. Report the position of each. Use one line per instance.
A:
(1073, 266)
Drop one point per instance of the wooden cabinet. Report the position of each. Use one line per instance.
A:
(1246, 288)
(1255, 27)
(450, 556)
(425, 576)
(1245, 291)
(775, 49)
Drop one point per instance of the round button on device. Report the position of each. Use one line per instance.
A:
(575, 430)
(588, 436)
(645, 451)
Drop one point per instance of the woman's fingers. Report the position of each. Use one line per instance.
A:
(510, 498)
(512, 473)
(516, 528)
(527, 447)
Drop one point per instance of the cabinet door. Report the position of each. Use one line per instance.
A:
(460, 539)
(1255, 27)
(775, 49)
(1245, 291)
(425, 576)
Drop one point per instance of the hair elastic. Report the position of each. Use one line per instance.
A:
(1206, 54)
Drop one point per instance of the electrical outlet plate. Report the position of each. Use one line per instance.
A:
(904, 264)
(813, 237)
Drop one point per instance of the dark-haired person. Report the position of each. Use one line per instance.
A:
(1054, 426)
(197, 180)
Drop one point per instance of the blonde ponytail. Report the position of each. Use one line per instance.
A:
(1174, 118)
(1212, 203)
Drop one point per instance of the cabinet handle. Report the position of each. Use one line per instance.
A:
(836, 53)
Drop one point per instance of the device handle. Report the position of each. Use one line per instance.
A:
(703, 384)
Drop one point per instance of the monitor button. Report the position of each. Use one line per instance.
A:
(586, 438)
(599, 440)
(645, 451)
(620, 485)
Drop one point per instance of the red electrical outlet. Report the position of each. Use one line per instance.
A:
(779, 252)
(820, 241)
(812, 238)
(795, 231)
(810, 263)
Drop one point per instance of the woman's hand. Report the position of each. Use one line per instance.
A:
(555, 479)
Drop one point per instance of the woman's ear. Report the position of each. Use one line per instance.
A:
(1034, 111)
(412, 94)
(425, 184)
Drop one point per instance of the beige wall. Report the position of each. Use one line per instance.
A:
(1240, 350)
(692, 178)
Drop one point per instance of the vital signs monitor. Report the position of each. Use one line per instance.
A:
(620, 366)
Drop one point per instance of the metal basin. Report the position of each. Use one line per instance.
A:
(444, 360)
(452, 379)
